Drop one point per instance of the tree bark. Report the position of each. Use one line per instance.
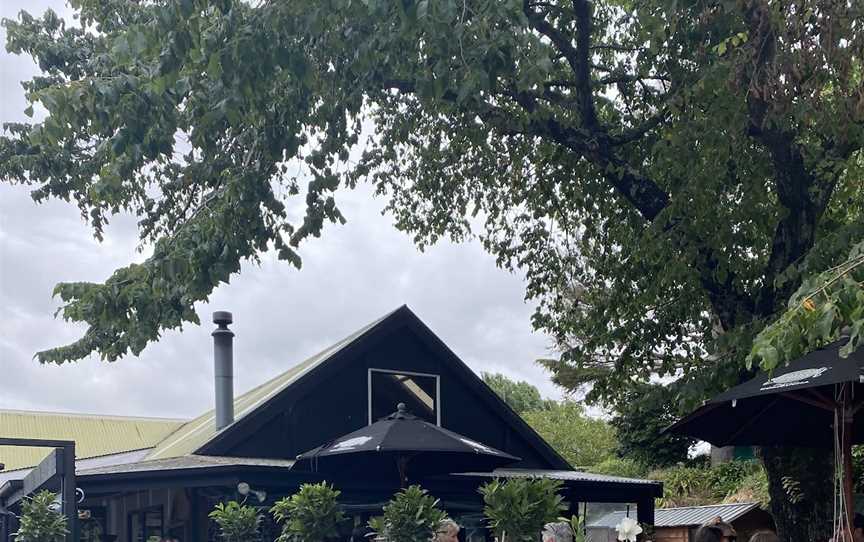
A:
(800, 483)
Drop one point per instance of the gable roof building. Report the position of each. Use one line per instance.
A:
(130, 467)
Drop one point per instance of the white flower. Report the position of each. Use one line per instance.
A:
(628, 529)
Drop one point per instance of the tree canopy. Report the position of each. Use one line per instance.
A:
(666, 174)
(582, 440)
(520, 395)
(660, 172)
(640, 418)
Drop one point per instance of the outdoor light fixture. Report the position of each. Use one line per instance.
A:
(245, 489)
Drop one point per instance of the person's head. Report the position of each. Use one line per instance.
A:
(716, 530)
(559, 531)
(764, 536)
(448, 531)
(858, 528)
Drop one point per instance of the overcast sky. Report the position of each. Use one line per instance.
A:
(352, 275)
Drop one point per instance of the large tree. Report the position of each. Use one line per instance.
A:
(663, 172)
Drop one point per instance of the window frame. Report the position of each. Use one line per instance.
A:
(406, 373)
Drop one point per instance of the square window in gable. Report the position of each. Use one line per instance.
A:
(418, 391)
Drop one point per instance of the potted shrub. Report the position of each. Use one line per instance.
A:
(237, 522)
(312, 514)
(518, 509)
(411, 516)
(40, 519)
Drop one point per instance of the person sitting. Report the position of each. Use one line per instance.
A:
(716, 530)
(764, 536)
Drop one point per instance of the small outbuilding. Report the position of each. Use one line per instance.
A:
(680, 524)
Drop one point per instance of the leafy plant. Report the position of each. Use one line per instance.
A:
(816, 314)
(411, 516)
(312, 514)
(237, 522)
(577, 524)
(517, 509)
(40, 521)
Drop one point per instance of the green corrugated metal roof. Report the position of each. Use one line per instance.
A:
(94, 435)
(196, 433)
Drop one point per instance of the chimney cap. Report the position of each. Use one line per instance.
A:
(222, 318)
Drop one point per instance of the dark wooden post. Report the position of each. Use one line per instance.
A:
(645, 510)
(846, 448)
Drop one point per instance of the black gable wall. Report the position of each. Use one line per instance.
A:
(332, 400)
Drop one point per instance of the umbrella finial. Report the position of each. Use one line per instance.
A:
(401, 408)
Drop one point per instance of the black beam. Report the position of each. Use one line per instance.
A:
(36, 442)
(61, 460)
(49, 469)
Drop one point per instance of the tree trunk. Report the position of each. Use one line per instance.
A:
(800, 483)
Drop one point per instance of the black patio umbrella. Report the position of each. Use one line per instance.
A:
(403, 442)
(810, 403)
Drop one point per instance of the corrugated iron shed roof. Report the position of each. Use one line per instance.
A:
(689, 516)
(192, 461)
(194, 434)
(94, 435)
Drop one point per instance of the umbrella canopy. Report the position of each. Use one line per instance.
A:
(793, 406)
(403, 442)
(812, 402)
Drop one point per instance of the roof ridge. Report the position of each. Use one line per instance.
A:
(91, 415)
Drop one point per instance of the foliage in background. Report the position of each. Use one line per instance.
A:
(520, 395)
(312, 514)
(411, 516)
(695, 486)
(237, 522)
(517, 509)
(40, 520)
(640, 416)
(618, 466)
(582, 440)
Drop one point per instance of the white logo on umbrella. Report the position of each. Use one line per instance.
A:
(793, 379)
(477, 446)
(350, 443)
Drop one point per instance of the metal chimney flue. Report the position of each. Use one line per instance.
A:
(223, 363)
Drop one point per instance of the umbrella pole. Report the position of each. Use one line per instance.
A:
(402, 464)
(847, 456)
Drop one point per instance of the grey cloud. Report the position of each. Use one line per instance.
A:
(350, 276)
